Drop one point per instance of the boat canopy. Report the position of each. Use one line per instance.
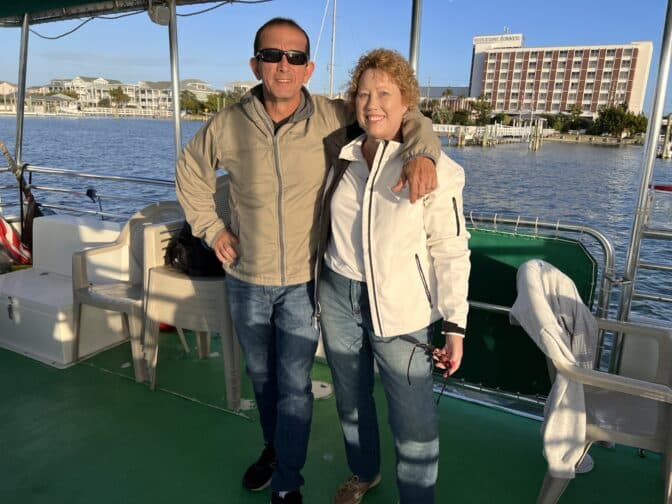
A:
(43, 11)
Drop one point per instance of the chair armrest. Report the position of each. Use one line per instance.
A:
(616, 383)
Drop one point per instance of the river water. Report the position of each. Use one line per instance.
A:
(575, 183)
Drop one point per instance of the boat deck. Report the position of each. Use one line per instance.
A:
(91, 434)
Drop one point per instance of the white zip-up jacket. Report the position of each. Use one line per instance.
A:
(416, 256)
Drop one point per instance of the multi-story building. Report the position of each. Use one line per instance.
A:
(148, 95)
(519, 80)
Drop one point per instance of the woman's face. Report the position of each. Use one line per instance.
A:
(379, 105)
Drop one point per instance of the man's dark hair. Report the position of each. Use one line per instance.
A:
(279, 21)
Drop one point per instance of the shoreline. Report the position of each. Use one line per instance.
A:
(93, 115)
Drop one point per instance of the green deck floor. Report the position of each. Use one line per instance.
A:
(89, 434)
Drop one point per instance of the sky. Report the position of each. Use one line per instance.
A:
(216, 46)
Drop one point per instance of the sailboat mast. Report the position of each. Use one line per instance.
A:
(333, 50)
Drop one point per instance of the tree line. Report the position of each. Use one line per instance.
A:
(614, 120)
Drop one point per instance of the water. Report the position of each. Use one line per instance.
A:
(591, 185)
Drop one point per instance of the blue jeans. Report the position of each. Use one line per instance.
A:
(275, 330)
(351, 347)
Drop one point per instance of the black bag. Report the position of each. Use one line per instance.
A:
(191, 255)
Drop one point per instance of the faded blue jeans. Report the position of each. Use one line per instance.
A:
(351, 347)
(275, 331)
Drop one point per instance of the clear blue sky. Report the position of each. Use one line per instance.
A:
(215, 46)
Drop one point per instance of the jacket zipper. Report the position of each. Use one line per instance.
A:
(424, 281)
(373, 283)
(281, 243)
(457, 216)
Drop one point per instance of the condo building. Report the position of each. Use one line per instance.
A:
(519, 80)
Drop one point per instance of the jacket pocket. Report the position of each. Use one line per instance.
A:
(424, 281)
(457, 216)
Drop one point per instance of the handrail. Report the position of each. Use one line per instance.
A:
(608, 278)
(119, 178)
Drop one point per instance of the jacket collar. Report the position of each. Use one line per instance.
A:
(254, 100)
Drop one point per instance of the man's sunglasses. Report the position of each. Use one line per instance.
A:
(275, 55)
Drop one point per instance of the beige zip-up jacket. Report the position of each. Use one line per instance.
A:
(276, 178)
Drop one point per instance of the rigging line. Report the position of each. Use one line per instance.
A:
(82, 24)
(319, 37)
(225, 2)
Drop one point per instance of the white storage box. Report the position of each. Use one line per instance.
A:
(36, 304)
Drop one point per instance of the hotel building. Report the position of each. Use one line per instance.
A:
(520, 80)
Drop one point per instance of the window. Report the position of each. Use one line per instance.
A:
(533, 55)
(576, 64)
(514, 96)
(560, 76)
(500, 95)
(555, 107)
(490, 75)
(561, 65)
(548, 54)
(529, 85)
(594, 53)
(625, 64)
(590, 75)
(574, 75)
(505, 55)
(563, 54)
(528, 96)
(544, 85)
(606, 76)
(574, 85)
(586, 107)
(611, 52)
(515, 85)
(627, 52)
(587, 97)
(516, 75)
(578, 53)
(499, 106)
(542, 96)
(513, 106)
(505, 65)
(603, 96)
(531, 75)
(545, 75)
(557, 96)
(547, 65)
(589, 86)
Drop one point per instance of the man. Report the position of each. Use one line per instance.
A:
(271, 145)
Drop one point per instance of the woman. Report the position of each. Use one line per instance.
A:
(391, 271)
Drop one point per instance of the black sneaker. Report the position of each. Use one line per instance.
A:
(258, 475)
(293, 497)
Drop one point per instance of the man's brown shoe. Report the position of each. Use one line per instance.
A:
(352, 490)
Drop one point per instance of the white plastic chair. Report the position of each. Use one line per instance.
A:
(197, 303)
(632, 408)
(124, 291)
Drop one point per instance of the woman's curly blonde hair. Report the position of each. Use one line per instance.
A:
(395, 66)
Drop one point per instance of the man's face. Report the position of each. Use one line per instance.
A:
(281, 81)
